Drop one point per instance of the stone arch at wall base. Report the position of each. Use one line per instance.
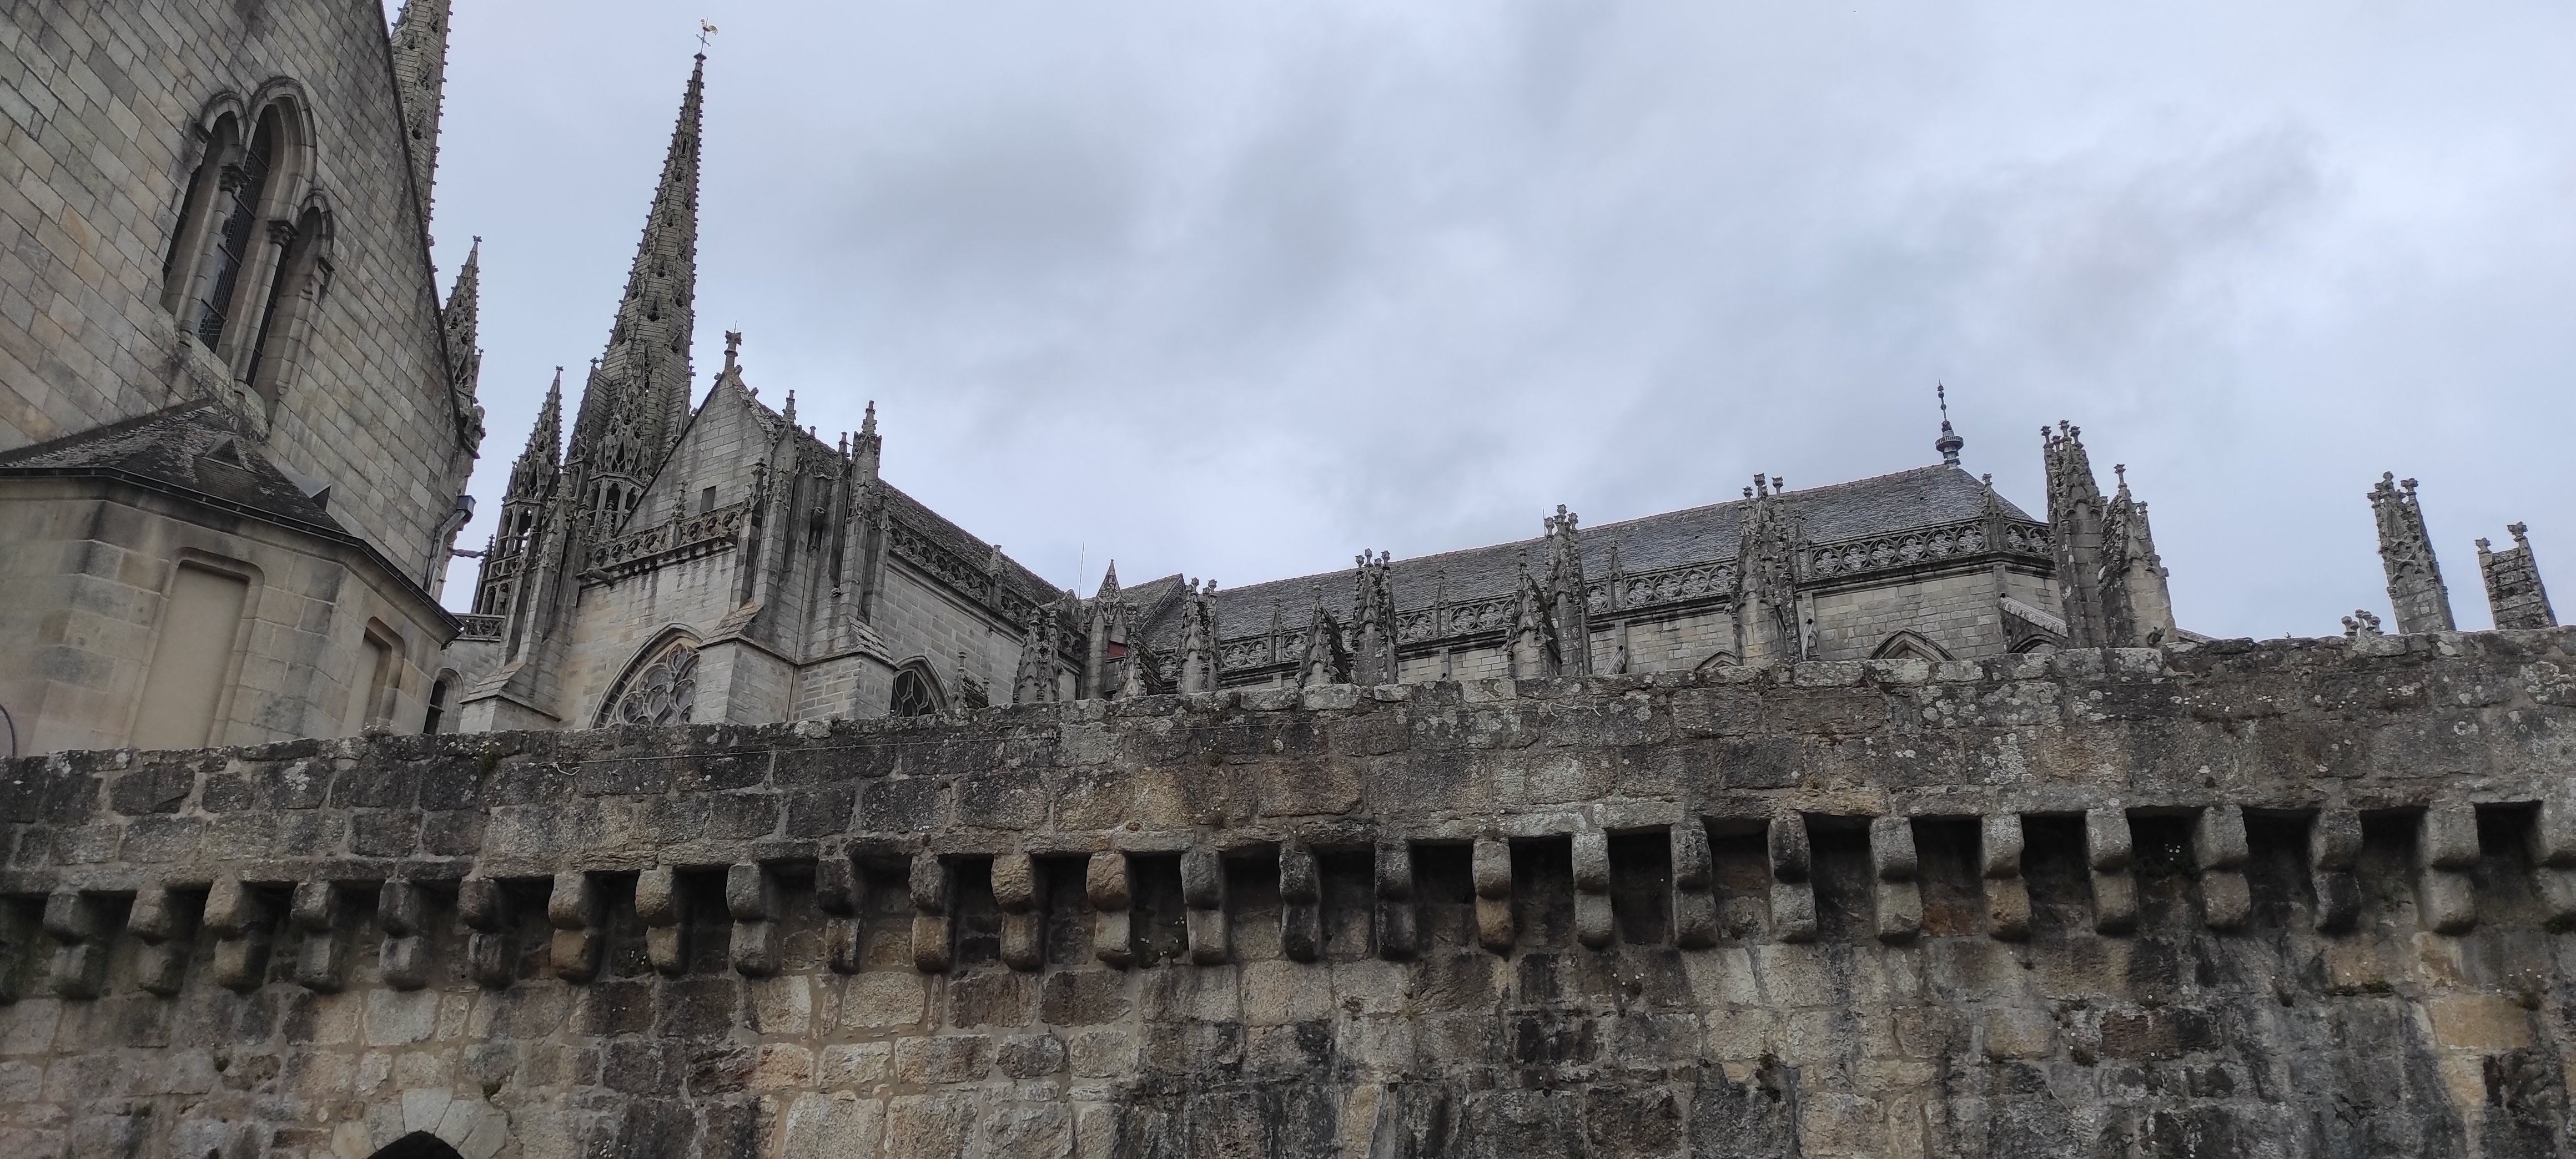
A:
(417, 1145)
(425, 1123)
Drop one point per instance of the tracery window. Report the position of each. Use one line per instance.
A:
(663, 691)
(913, 695)
(248, 259)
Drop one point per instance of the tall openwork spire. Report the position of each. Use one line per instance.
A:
(459, 322)
(638, 395)
(420, 82)
(535, 470)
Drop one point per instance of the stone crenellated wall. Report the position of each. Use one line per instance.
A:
(2289, 898)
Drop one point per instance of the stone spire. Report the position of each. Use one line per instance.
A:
(2415, 588)
(1035, 682)
(1570, 598)
(638, 394)
(1198, 639)
(1327, 659)
(534, 473)
(1766, 576)
(524, 508)
(2514, 592)
(1373, 638)
(2075, 534)
(419, 44)
(458, 323)
(1529, 650)
(1949, 444)
(2142, 606)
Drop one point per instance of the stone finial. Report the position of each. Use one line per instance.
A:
(1949, 444)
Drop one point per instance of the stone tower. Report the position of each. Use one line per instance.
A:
(2514, 593)
(2415, 587)
(419, 43)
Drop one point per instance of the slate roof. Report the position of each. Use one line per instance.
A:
(192, 448)
(1922, 497)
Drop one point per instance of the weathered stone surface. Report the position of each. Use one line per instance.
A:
(1863, 957)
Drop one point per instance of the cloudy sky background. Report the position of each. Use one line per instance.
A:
(1239, 289)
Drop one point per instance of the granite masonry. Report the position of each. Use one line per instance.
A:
(2291, 898)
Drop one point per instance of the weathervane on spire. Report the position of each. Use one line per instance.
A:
(1949, 442)
(705, 30)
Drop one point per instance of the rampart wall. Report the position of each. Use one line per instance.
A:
(2291, 898)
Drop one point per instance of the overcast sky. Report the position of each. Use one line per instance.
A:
(1238, 289)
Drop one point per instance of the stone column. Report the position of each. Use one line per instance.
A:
(751, 899)
(79, 967)
(316, 911)
(240, 921)
(1104, 881)
(1203, 900)
(932, 931)
(1999, 845)
(1594, 924)
(2219, 848)
(484, 908)
(2446, 849)
(402, 908)
(664, 910)
(2334, 845)
(1016, 893)
(1493, 874)
(1301, 896)
(573, 909)
(840, 891)
(1694, 886)
(2108, 850)
(1397, 922)
(1793, 896)
(1896, 898)
(2553, 858)
(158, 921)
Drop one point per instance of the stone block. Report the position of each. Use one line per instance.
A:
(2447, 838)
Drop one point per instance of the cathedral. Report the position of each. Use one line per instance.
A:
(238, 413)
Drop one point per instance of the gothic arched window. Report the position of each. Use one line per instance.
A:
(914, 695)
(659, 689)
(1908, 645)
(246, 261)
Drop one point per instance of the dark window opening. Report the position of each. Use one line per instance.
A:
(437, 705)
(912, 694)
(248, 181)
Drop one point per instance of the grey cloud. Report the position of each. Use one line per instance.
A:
(1238, 290)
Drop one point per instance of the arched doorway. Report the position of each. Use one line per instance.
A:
(417, 1145)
